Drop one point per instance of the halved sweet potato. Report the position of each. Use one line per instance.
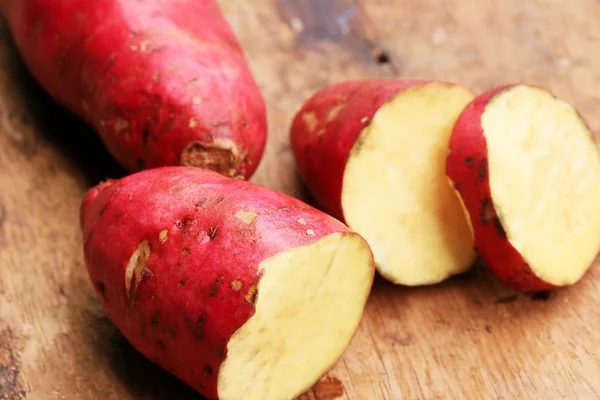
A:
(373, 154)
(241, 292)
(528, 170)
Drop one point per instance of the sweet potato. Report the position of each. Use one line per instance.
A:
(241, 292)
(162, 82)
(528, 171)
(373, 152)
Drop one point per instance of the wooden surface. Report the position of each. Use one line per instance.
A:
(469, 338)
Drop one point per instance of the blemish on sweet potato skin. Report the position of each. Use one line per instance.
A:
(215, 286)
(252, 294)
(136, 270)
(154, 325)
(246, 217)
(334, 112)
(172, 330)
(236, 285)
(200, 327)
(163, 236)
(311, 121)
(482, 171)
(201, 203)
(212, 231)
(184, 223)
(487, 211)
(488, 214)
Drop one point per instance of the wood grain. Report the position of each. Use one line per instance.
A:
(468, 338)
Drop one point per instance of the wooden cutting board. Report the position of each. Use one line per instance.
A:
(468, 338)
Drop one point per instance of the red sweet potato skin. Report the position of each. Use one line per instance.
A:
(163, 82)
(198, 285)
(467, 168)
(325, 129)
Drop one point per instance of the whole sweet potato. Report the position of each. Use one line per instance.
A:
(163, 82)
(241, 292)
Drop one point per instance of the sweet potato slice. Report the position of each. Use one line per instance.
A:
(373, 154)
(528, 170)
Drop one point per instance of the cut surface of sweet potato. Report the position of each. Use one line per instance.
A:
(395, 192)
(544, 176)
(308, 306)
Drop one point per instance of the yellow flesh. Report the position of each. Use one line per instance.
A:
(545, 181)
(310, 301)
(396, 193)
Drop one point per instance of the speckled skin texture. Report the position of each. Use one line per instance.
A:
(206, 235)
(326, 128)
(467, 168)
(163, 82)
